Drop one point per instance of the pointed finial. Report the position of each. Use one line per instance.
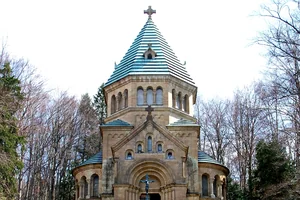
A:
(149, 11)
(149, 45)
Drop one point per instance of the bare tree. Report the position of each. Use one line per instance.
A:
(247, 127)
(282, 42)
(214, 126)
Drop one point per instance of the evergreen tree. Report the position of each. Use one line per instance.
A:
(100, 104)
(10, 102)
(234, 191)
(273, 168)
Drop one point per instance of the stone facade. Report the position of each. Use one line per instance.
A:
(150, 130)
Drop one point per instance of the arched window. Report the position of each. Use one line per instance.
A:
(140, 97)
(129, 156)
(204, 185)
(125, 98)
(149, 96)
(149, 56)
(149, 142)
(186, 103)
(173, 98)
(159, 148)
(178, 101)
(83, 187)
(215, 187)
(95, 185)
(169, 154)
(139, 148)
(120, 101)
(159, 96)
(113, 104)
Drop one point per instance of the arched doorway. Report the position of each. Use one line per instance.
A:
(157, 171)
(154, 196)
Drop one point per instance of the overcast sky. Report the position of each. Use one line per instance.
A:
(74, 44)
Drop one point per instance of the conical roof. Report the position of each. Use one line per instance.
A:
(136, 63)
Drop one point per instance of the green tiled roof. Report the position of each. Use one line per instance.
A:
(205, 158)
(184, 122)
(117, 122)
(165, 62)
(96, 159)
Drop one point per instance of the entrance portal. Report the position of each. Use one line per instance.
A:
(152, 197)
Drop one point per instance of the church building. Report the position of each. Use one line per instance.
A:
(150, 137)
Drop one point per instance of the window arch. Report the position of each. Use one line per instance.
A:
(169, 154)
(159, 148)
(149, 144)
(95, 185)
(129, 155)
(186, 103)
(159, 96)
(113, 104)
(178, 101)
(173, 98)
(139, 148)
(149, 96)
(125, 98)
(140, 96)
(149, 56)
(216, 185)
(120, 101)
(204, 185)
(83, 187)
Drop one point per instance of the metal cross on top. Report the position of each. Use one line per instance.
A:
(149, 11)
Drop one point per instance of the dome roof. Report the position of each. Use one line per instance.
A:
(205, 158)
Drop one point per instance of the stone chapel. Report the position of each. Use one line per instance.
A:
(150, 131)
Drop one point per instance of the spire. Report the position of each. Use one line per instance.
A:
(149, 11)
(150, 54)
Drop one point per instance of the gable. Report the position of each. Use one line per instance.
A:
(149, 126)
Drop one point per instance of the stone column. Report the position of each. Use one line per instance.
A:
(132, 193)
(89, 188)
(154, 96)
(220, 190)
(212, 187)
(135, 194)
(76, 191)
(225, 190)
(145, 97)
(81, 190)
(183, 167)
(173, 194)
(127, 195)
